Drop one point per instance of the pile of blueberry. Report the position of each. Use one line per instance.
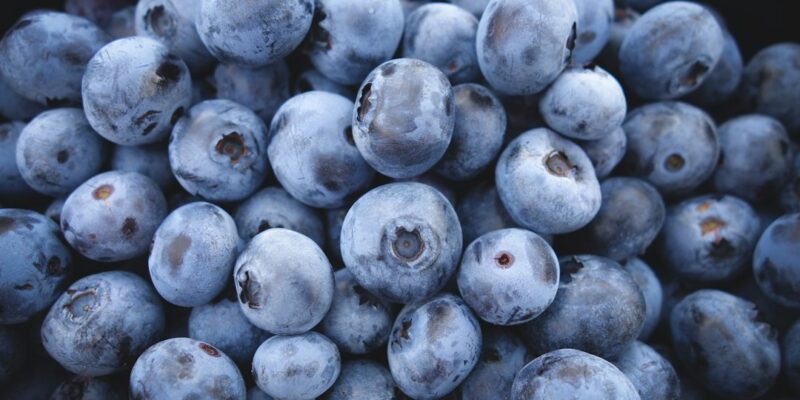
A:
(396, 199)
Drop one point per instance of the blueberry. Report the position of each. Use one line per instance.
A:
(262, 89)
(621, 25)
(36, 264)
(755, 157)
(172, 23)
(102, 323)
(709, 239)
(789, 196)
(273, 207)
(776, 261)
(193, 253)
(476, 7)
(524, 45)
(12, 184)
(443, 35)
(113, 215)
(481, 211)
(410, 5)
(284, 282)
(362, 380)
(444, 186)
(630, 217)
(404, 117)
(670, 50)
(185, 368)
(87, 388)
(223, 325)
(773, 313)
(598, 309)
(312, 152)
(15, 107)
(672, 145)
(150, 160)
(134, 91)
(97, 11)
(296, 367)
(122, 23)
(218, 151)
(508, 276)
(502, 355)
(255, 393)
(791, 356)
(571, 374)
(767, 84)
(433, 346)
(567, 195)
(60, 44)
(606, 152)
(594, 28)
(723, 80)
(584, 103)
(313, 80)
(650, 373)
(58, 150)
(358, 322)
(401, 241)
(653, 293)
(13, 352)
(334, 219)
(478, 133)
(712, 331)
(348, 38)
(253, 34)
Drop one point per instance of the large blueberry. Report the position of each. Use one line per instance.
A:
(402, 241)
(222, 324)
(768, 84)
(273, 207)
(12, 185)
(502, 356)
(102, 323)
(150, 160)
(262, 89)
(363, 380)
(172, 23)
(433, 347)
(404, 117)
(776, 261)
(595, 18)
(653, 293)
(649, 372)
(481, 211)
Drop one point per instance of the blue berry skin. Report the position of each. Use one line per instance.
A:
(53, 210)
(296, 367)
(218, 151)
(630, 217)
(314, 80)
(36, 264)
(182, 368)
(621, 25)
(312, 151)
(605, 153)
(404, 117)
(358, 322)
(481, 211)
(713, 330)
(12, 185)
(585, 103)
(433, 347)
(255, 393)
(58, 150)
(61, 44)
(102, 323)
(113, 216)
(273, 207)
(14, 107)
(444, 186)
(670, 50)
(150, 160)
(768, 82)
(334, 219)
(672, 145)
(402, 257)
(134, 91)
(253, 34)
(709, 239)
(13, 352)
(571, 374)
(172, 23)
(595, 18)
(567, 195)
(478, 133)
(791, 356)
(349, 38)
(262, 89)
(642, 5)
(362, 380)
(410, 5)
(652, 291)
(122, 23)
(755, 157)
(722, 82)
(284, 282)
(193, 253)
(97, 11)
(443, 35)
(502, 355)
(789, 196)
(223, 325)
(776, 261)
(598, 309)
(508, 276)
(649, 372)
(524, 45)
(87, 388)
(476, 7)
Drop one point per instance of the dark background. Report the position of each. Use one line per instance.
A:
(755, 24)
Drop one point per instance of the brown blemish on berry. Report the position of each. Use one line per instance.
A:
(210, 350)
(504, 260)
(103, 192)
